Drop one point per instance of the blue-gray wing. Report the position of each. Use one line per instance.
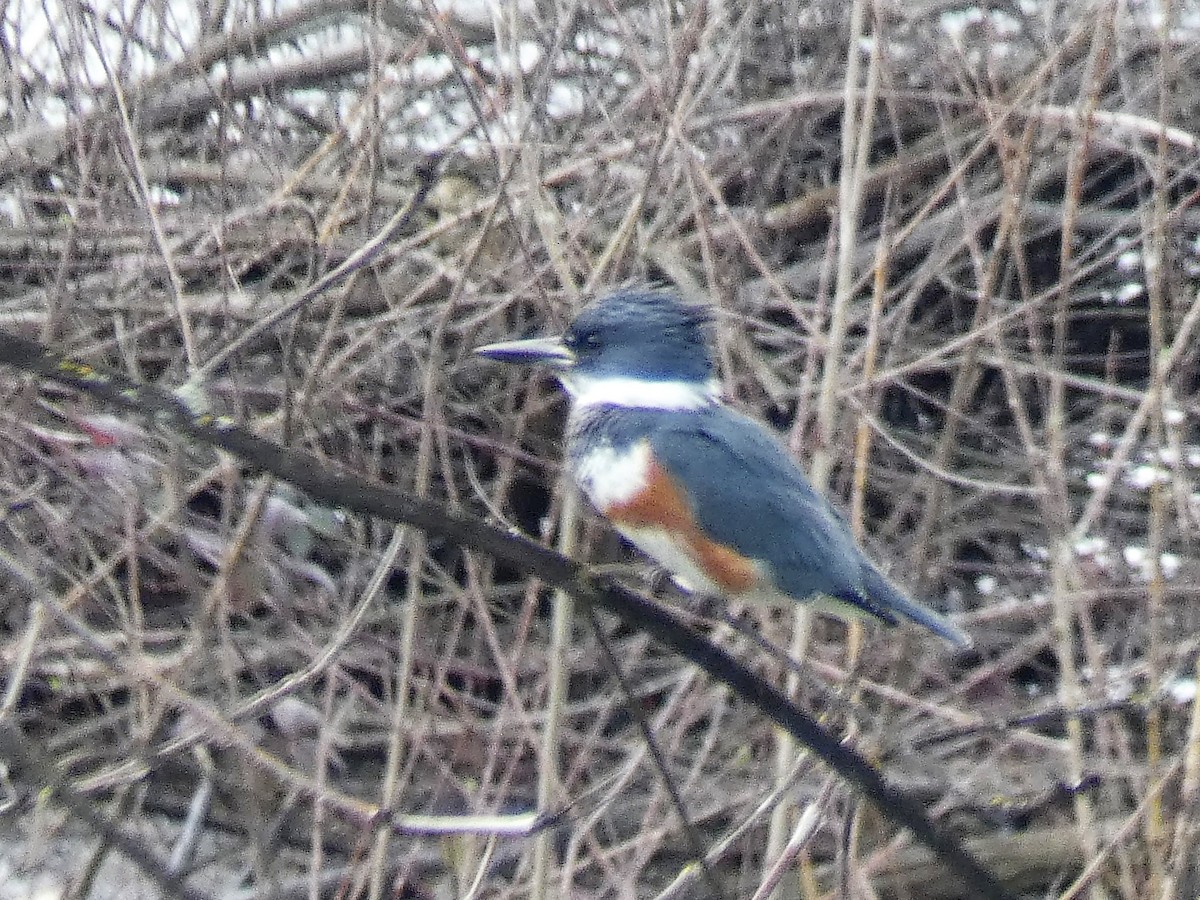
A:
(747, 493)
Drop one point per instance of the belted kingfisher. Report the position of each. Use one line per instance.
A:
(704, 490)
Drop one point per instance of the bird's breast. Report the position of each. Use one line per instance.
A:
(612, 476)
(653, 511)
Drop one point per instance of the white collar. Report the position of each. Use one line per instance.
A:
(634, 392)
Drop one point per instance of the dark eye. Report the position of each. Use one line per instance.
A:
(586, 339)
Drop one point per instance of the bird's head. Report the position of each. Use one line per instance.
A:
(638, 346)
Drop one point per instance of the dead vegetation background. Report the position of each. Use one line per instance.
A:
(956, 253)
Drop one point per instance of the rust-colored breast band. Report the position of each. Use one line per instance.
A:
(663, 504)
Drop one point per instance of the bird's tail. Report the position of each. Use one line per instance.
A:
(890, 598)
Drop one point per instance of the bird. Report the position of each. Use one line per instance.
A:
(707, 492)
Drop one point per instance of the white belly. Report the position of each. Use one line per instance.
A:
(672, 556)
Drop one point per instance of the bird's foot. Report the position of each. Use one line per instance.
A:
(705, 606)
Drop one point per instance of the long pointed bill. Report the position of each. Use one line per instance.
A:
(534, 351)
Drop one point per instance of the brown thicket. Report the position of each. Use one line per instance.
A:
(955, 253)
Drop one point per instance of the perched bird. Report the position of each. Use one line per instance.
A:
(704, 490)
